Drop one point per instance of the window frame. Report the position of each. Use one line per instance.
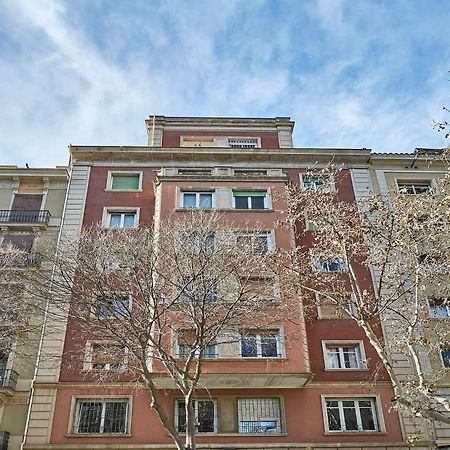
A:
(281, 417)
(180, 354)
(89, 356)
(349, 310)
(416, 183)
(75, 411)
(340, 344)
(443, 350)
(110, 210)
(432, 312)
(326, 187)
(266, 197)
(376, 408)
(242, 139)
(253, 235)
(338, 259)
(97, 313)
(196, 400)
(112, 173)
(258, 336)
(274, 287)
(197, 193)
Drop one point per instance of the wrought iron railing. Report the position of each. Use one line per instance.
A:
(41, 216)
(4, 440)
(8, 378)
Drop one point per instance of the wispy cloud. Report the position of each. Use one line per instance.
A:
(352, 74)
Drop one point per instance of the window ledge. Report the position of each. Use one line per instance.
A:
(123, 190)
(98, 435)
(365, 369)
(355, 433)
(240, 434)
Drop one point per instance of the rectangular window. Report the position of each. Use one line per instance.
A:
(124, 181)
(243, 143)
(97, 416)
(259, 415)
(351, 414)
(113, 306)
(250, 199)
(256, 242)
(439, 308)
(260, 288)
(122, 219)
(197, 242)
(336, 264)
(105, 356)
(198, 290)
(205, 416)
(344, 356)
(414, 187)
(209, 352)
(317, 183)
(197, 200)
(261, 345)
(445, 355)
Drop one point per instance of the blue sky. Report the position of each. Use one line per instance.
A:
(350, 73)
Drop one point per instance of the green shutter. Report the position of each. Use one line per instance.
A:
(249, 193)
(125, 182)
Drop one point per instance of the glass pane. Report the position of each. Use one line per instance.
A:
(446, 357)
(128, 221)
(261, 243)
(257, 202)
(367, 419)
(115, 417)
(205, 416)
(89, 417)
(268, 346)
(181, 416)
(114, 220)
(205, 201)
(334, 361)
(189, 200)
(350, 359)
(351, 423)
(248, 346)
(241, 202)
(334, 421)
(125, 182)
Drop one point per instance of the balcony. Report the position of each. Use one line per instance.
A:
(23, 260)
(4, 440)
(8, 381)
(25, 218)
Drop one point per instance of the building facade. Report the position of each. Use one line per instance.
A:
(312, 387)
(31, 207)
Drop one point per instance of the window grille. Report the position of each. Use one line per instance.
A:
(243, 143)
(101, 416)
(259, 415)
(414, 187)
(205, 416)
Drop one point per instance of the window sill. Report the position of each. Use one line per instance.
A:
(240, 359)
(123, 190)
(98, 435)
(355, 433)
(238, 434)
(365, 369)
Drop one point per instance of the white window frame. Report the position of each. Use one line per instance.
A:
(328, 187)
(412, 182)
(197, 193)
(274, 284)
(349, 309)
(267, 199)
(377, 412)
(197, 352)
(432, 313)
(242, 139)
(96, 313)
(75, 413)
(259, 334)
(360, 355)
(343, 266)
(280, 419)
(89, 363)
(441, 356)
(112, 173)
(108, 211)
(177, 402)
(254, 234)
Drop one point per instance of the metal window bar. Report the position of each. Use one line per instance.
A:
(109, 417)
(8, 378)
(243, 143)
(259, 415)
(24, 216)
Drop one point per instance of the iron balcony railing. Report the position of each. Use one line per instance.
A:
(38, 216)
(4, 440)
(8, 378)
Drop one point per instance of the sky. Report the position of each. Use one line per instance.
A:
(354, 73)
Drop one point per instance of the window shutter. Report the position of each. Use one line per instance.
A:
(249, 193)
(125, 182)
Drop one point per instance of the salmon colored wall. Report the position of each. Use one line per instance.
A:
(302, 407)
(269, 139)
(97, 197)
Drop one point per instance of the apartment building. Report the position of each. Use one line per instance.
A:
(31, 207)
(305, 385)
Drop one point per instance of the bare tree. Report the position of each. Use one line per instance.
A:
(157, 302)
(403, 244)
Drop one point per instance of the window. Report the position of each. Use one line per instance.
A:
(112, 306)
(259, 415)
(445, 355)
(317, 182)
(257, 242)
(414, 187)
(124, 181)
(313, 225)
(260, 288)
(197, 242)
(336, 305)
(97, 416)
(197, 200)
(336, 264)
(351, 414)
(209, 352)
(344, 355)
(205, 416)
(107, 356)
(198, 290)
(243, 143)
(250, 199)
(439, 308)
(261, 345)
(122, 219)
